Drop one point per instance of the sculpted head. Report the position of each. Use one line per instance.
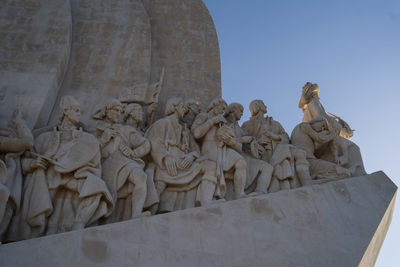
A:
(236, 110)
(175, 105)
(193, 106)
(217, 106)
(134, 111)
(257, 106)
(70, 109)
(309, 92)
(112, 110)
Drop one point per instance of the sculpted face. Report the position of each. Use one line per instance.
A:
(263, 108)
(219, 109)
(73, 113)
(310, 91)
(238, 112)
(114, 113)
(193, 106)
(137, 114)
(180, 109)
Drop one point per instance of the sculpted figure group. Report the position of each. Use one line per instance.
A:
(74, 177)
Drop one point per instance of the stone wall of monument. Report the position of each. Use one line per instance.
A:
(184, 41)
(121, 44)
(35, 38)
(111, 50)
(93, 50)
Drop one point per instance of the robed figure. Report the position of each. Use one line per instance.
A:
(178, 170)
(63, 188)
(122, 147)
(14, 140)
(342, 151)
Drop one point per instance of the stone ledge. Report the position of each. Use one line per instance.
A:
(338, 223)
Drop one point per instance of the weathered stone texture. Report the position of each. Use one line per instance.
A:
(112, 45)
(111, 50)
(184, 41)
(35, 39)
(329, 224)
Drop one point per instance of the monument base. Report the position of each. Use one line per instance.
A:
(338, 223)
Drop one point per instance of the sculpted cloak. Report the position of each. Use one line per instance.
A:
(13, 143)
(68, 195)
(306, 138)
(259, 172)
(170, 138)
(349, 153)
(280, 154)
(118, 167)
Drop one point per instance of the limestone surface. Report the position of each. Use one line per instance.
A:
(94, 50)
(35, 40)
(111, 50)
(337, 223)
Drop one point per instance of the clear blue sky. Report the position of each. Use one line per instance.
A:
(269, 49)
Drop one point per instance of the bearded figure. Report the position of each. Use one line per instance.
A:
(178, 168)
(259, 172)
(63, 189)
(290, 164)
(122, 150)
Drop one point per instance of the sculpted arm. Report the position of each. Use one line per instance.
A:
(23, 141)
(242, 136)
(105, 136)
(237, 146)
(14, 145)
(284, 136)
(201, 126)
(317, 137)
(141, 146)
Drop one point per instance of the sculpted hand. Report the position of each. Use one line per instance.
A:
(246, 139)
(107, 135)
(228, 139)
(187, 161)
(39, 163)
(170, 163)
(218, 119)
(126, 151)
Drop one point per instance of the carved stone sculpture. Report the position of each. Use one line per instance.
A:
(346, 153)
(259, 172)
(178, 169)
(218, 144)
(133, 116)
(13, 142)
(311, 136)
(288, 161)
(122, 148)
(63, 190)
(192, 110)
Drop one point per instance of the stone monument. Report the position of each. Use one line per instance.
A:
(118, 149)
